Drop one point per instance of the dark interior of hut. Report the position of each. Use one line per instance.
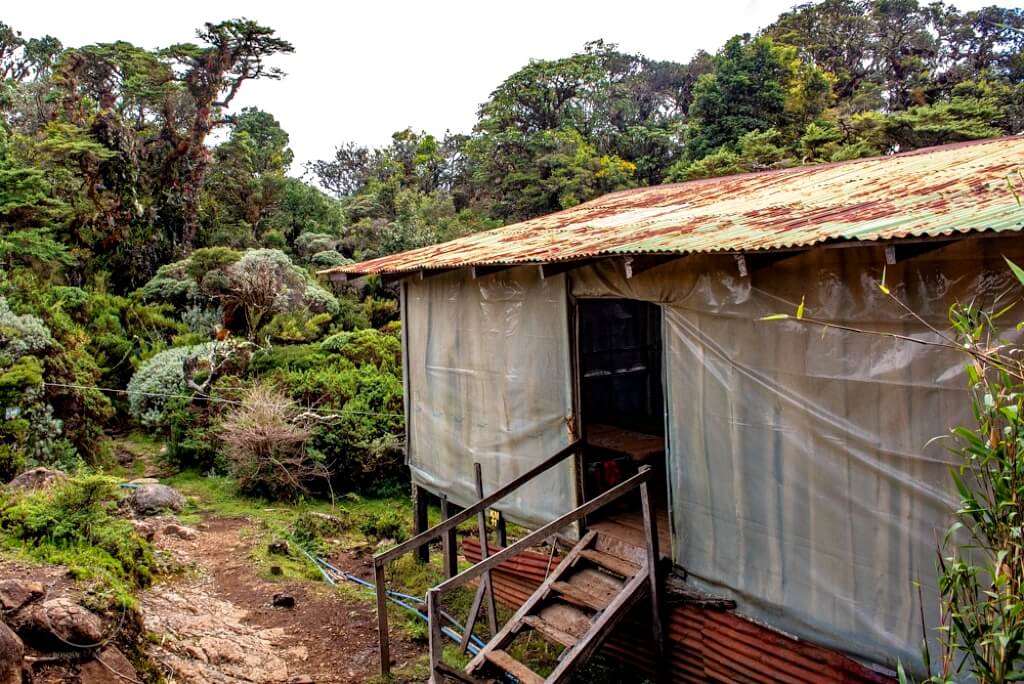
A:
(622, 406)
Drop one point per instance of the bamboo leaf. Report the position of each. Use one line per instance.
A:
(1017, 270)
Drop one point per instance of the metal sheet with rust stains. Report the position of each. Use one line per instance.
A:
(939, 191)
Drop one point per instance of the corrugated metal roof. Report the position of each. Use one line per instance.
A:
(933, 192)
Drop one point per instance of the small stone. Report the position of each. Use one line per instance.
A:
(149, 499)
(301, 679)
(181, 531)
(12, 652)
(15, 594)
(144, 529)
(276, 570)
(36, 479)
(278, 547)
(283, 601)
(113, 668)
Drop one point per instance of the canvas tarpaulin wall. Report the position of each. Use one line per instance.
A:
(802, 478)
(489, 381)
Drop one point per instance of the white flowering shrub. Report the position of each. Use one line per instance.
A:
(162, 375)
(21, 335)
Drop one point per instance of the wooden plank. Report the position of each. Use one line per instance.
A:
(436, 638)
(420, 498)
(579, 596)
(507, 632)
(657, 616)
(436, 531)
(515, 668)
(549, 631)
(448, 542)
(600, 629)
(382, 620)
(619, 566)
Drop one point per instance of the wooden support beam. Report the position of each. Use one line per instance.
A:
(420, 500)
(658, 629)
(382, 619)
(448, 542)
(492, 608)
(502, 530)
(435, 643)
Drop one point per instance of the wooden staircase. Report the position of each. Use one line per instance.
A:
(577, 607)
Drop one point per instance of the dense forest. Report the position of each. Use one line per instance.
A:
(155, 280)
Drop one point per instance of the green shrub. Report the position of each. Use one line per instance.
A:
(384, 525)
(295, 326)
(73, 524)
(162, 375)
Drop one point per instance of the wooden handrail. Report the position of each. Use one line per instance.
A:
(436, 531)
(541, 533)
(642, 481)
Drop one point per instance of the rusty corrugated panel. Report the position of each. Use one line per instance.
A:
(705, 645)
(926, 193)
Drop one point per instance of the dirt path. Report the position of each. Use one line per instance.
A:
(217, 623)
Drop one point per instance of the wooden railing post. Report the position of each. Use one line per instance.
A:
(448, 543)
(436, 646)
(492, 608)
(420, 524)
(445, 531)
(653, 557)
(382, 618)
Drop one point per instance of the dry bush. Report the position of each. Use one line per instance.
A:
(265, 444)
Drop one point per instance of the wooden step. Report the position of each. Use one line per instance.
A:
(619, 566)
(515, 668)
(574, 594)
(549, 631)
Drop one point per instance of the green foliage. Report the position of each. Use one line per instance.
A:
(756, 85)
(981, 583)
(74, 524)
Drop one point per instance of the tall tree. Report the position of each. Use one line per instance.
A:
(756, 85)
(232, 53)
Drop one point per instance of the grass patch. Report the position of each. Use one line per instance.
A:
(73, 525)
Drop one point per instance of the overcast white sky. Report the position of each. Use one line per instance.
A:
(362, 70)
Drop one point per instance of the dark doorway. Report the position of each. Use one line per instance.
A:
(620, 364)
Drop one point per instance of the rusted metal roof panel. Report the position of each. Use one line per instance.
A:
(934, 192)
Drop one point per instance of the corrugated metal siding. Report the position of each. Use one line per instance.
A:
(705, 645)
(940, 191)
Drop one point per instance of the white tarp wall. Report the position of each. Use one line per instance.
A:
(801, 477)
(489, 381)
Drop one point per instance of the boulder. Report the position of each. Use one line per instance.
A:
(150, 499)
(58, 624)
(15, 594)
(12, 653)
(37, 478)
(109, 666)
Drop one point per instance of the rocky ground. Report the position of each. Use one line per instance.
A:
(212, 619)
(219, 623)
